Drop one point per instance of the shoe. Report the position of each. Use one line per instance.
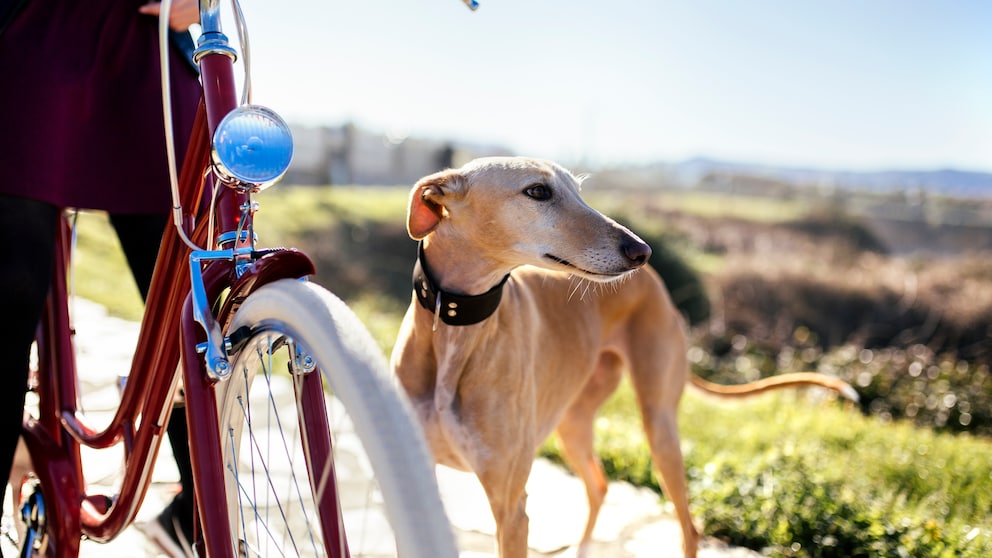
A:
(170, 531)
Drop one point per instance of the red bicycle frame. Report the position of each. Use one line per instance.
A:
(169, 338)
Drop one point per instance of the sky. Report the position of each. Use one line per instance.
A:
(848, 85)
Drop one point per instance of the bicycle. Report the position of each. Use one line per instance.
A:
(244, 330)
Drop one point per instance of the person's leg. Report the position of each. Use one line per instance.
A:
(140, 237)
(27, 234)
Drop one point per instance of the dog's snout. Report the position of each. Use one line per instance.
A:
(636, 252)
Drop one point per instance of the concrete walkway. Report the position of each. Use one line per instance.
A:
(633, 523)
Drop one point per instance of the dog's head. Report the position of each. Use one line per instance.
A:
(517, 211)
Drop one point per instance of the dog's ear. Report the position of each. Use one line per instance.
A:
(427, 202)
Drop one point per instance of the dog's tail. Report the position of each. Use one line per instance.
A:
(781, 381)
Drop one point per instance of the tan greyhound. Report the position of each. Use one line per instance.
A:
(526, 311)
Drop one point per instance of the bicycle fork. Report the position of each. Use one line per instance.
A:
(201, 352)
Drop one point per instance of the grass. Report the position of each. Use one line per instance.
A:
(289, 209)
(793, 476)
(701, 204)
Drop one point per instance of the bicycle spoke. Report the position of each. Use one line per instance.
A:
(271, 492)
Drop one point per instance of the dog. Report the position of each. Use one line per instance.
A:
(528, 307)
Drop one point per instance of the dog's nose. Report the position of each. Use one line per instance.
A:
(636, 252)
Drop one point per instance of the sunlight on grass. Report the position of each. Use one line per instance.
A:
(750, 208)
(701, 204)
(295, 208)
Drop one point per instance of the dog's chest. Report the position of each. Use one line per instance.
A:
(474, 388)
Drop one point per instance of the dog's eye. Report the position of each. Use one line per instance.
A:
(539, 192)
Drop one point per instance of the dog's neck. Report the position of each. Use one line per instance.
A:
(450, 307)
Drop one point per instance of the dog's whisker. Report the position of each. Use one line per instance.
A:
(589, 285)
(575, 283)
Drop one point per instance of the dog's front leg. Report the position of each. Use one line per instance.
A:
(502, 455)
(506, 489)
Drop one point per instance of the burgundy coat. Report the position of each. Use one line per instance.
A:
(81, 109)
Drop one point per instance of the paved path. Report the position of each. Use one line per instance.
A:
(633, 523)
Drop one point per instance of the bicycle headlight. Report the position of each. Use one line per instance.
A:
(252, 147)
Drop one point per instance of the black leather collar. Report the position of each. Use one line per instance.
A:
(452, 309)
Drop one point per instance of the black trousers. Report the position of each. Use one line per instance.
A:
(27, 239)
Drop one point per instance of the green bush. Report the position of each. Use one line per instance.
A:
(684, 284)
(791, 476)
(915, 384)
(794, 512)
(934, 391)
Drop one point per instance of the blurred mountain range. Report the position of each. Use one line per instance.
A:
(951, 182)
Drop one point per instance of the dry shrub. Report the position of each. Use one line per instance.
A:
(959, 293)
(944, 304)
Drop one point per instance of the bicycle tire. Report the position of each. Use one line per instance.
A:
(295, 314)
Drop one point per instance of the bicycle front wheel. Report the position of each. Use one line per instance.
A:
(335, 467)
